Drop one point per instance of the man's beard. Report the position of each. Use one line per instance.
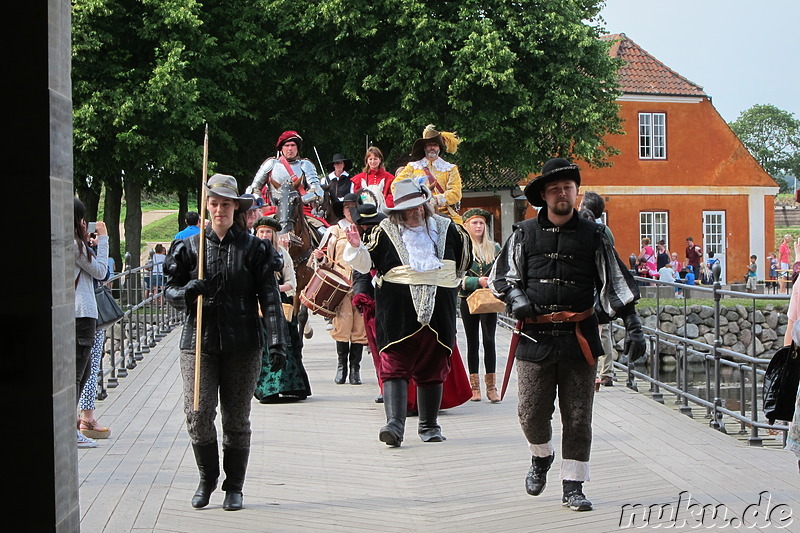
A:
(432, 154)
(561, 208)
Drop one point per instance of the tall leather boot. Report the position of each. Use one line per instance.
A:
(356, 352)
(429, 399)
(207, 458)
(491, 389)
(395, 398)
(475, 382)
(234, 462)
(342, 352)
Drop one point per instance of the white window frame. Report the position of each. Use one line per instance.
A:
(655, 226)
(652, 135)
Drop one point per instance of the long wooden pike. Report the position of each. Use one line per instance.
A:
(201, 263)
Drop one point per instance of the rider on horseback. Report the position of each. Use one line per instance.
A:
(288, 166)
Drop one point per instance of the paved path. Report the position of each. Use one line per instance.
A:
(318, 465)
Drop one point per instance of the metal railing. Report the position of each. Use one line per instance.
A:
(147, 319)
(716, 360)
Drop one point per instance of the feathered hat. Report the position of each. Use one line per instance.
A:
(447, 141)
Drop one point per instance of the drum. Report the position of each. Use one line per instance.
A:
(325, 292)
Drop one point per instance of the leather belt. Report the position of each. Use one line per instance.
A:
(561, 317)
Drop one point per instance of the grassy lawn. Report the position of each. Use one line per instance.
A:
(162, 230)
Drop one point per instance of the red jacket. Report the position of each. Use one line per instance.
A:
(373, 177)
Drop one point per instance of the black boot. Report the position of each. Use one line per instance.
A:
(573, 496)
(234, 462)
(356, 350)
(395, 400)
(429, 399)
(342, 351)
(537, 474)
(207, 458)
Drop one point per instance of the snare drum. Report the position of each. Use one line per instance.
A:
(325, 292)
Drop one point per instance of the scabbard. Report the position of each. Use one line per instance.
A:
(511, 356)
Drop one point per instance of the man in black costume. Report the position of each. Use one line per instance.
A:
(547, 274)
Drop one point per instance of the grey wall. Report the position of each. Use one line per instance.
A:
(37, 369)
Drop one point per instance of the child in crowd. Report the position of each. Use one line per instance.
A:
(751, 274)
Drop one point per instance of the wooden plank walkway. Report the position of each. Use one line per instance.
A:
(318, 465)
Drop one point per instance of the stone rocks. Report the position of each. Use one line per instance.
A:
(740, 329)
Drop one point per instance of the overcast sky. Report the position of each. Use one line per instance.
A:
(741, 52)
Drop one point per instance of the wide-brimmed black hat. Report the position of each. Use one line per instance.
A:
(447, 141)
(338, 207)
(555, 169)
(367, 215)
(225, 186)
(336, 159)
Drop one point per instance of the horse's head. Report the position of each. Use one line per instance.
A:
(287, 199)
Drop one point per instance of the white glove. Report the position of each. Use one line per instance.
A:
(440, 200)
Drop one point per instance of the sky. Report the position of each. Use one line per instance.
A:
(742, 53)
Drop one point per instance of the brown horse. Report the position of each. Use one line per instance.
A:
(302, 240)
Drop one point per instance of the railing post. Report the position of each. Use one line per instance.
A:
(716, 416)
(128, 355)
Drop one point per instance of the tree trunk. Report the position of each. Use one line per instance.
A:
(183, 207)
(133, 218)
(90, 196)
(112, 207)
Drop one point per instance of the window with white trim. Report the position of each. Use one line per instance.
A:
(652, 136)
(655, 226)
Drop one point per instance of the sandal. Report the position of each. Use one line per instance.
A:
(90, 429)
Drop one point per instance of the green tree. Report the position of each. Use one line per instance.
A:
(772, 136)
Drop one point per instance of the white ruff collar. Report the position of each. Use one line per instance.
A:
(439, 164)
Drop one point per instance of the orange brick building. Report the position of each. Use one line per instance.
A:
(681, 171)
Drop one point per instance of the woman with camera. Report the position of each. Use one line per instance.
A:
(88, 267)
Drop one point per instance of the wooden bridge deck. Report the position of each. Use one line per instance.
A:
(318, 465)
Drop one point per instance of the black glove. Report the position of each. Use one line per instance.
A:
(635, 345)
(193, 289)
(277, 357)
(521, 308)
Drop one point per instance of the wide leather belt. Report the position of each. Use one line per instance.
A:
(561, 317)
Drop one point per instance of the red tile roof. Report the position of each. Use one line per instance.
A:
(644, 74)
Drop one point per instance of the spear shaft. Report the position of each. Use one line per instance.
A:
(201, 263)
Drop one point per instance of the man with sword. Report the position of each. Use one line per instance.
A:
(548, 274)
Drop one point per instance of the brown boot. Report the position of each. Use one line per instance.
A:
(491, 390)
(475, 381)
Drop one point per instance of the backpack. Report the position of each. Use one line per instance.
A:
(780, 384)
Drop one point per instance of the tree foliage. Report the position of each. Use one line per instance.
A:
(519, 80)
(772, 136)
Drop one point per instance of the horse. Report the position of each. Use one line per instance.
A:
(302, 240)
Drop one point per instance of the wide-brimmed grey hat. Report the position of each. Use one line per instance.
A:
(408, 193)
(225, 186)
(555, 169)
(367, 215)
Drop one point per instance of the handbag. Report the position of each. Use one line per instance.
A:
(108, 310)
(288, 311)
(780, 384)
(483, 301)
